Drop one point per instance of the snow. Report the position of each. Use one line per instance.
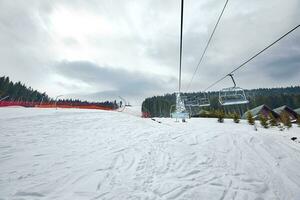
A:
(92, 154)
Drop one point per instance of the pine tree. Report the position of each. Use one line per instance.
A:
(285, 119)
(273, 120)
(220, 115)
(250, 118)
(236, 118)
(263, 121)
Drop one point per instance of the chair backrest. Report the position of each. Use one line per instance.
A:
(232, 96)
(196, 101)
(192, 103)
(204, 102)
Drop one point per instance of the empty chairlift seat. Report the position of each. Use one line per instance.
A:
(190, 101)
(232, 95)
(197, 101)
(204, 101)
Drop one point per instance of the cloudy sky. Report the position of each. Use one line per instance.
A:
(96, 49)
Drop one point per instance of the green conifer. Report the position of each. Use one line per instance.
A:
(236, 118)
(250, 118)
(285, 119)
(263, 121)
(220, 115)
(273, 120)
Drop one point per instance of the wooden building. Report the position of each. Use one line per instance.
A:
(262, 109)
(288, 110)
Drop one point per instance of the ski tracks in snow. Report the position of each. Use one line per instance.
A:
(108, 155)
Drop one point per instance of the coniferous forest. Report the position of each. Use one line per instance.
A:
(161, 106)
(19, 92)
(10, 91)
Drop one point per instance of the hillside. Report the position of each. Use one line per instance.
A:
(18, 94)
(159, 106)
(19, 91)
(87, 154)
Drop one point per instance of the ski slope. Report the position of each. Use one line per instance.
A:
(87, 154)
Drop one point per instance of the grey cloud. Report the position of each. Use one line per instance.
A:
(286, 68)
(127, 83)
(70, 41)
(152, 41)
(24, 45)
(245, 29)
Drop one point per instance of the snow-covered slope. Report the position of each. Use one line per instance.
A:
(133, 110)
(86, 154)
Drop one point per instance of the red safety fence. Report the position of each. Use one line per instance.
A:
(146, 115)
(74, 106)
(52, 105)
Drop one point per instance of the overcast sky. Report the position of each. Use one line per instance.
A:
(97, 49)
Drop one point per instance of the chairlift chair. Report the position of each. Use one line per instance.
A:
(232, 95)
(204, 101)
(190, 101)
(195, 101)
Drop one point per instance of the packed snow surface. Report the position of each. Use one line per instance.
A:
(92, 154)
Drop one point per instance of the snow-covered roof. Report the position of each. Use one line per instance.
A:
(255, 111)
(297, 111)
(280, 109)
(286, 108)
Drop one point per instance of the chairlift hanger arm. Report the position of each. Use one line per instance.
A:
(231, 76)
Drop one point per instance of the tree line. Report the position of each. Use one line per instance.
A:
(19, 91)
(77, 102)
(10, 91)
(161, 106)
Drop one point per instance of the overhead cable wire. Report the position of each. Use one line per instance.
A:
(251, 58)
(180, 56)
(207, 45)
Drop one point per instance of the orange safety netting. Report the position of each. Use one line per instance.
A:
(74, 106)
(43, 105)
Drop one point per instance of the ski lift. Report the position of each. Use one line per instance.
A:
(204, 101)
(232, 95)
(197, 101)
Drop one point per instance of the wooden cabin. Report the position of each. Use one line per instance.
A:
(293, 115)
(262, 109)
